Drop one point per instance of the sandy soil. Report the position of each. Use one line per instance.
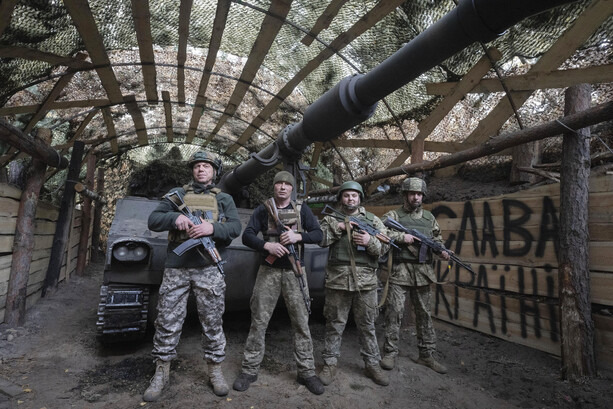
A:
(54, 361)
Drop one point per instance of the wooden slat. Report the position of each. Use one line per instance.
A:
(168, 115)
(219, 24)
(53, 95)
(323, 21)
(6, 12)
(139, 120)
(272, 23)
(110, 128)
(142, 24)
(376, 14)
(185, 10)
(594, 15)
(86, 25)
(57, 105)
(7, 51)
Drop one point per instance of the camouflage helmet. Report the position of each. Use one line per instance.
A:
(414, 185)
(206, 156)
(284, 176)
(350, 185)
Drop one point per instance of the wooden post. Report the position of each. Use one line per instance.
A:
(86, 217)
(576, 324)
(23, 244)
(524, 156)
(64, 218)
(95, 251)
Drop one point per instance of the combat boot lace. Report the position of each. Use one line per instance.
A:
(159, 380)
(327, 374)
(388, 362)
(312, 383)
(243, 381)
(375, 373)
(216, 379)
(433, 364)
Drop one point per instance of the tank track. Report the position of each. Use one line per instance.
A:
(122, 312)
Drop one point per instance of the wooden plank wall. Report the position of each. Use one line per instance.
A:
(510, 243)
(46, 217)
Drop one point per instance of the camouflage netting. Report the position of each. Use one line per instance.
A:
(47, 27)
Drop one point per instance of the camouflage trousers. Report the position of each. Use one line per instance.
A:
(394, 310)
(336, 311)
(269, 285)
(209, 289)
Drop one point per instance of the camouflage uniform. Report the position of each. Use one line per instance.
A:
(412, 277)
(343, 292)
(275, 280)
(192, 271)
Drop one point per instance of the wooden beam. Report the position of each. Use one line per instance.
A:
(84, 191)
(110, 128)
(86, 214)
(272, 23)
(86, 25)
(185, 10)
(8, 51)
(323, 21)
(594, 115)
(53, 95)
(142, 24)
(584, 26)
(168, 114)
(6, 12)
(31, 145)
(219, 24)
(376, 14)
(533, 81)
(56, 105)
(139, 120)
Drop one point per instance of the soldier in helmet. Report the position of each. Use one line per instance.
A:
(408, 275)
(351, 282)
(193, 270)
(278, 279)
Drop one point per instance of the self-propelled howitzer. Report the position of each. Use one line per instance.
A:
(354, 99)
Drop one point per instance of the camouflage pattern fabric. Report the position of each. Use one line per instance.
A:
(420, 299)
(269, 285)
(336, 311)
(209, 289)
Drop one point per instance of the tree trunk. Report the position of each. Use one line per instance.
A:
(62, 227)
(23, 244)
(524, 156)
(576, 324)
(86, 217)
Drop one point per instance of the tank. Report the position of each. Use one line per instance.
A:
(135, 255)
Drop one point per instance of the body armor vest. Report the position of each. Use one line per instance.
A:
(203, 202)
(289, 217)
(423, 225)
(339, 251)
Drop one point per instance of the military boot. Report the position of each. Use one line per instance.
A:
(375, 373)
(216, 379)
(159, 380)
(432, 363)
(388, 362)
(327, 374)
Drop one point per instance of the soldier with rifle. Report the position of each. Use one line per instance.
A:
(412, 272)
(351, 280)
(201, 221)
(284, 224)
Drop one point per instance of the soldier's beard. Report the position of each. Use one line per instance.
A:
(350, 208)
(411, 206)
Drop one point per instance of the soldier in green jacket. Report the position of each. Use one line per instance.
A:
(351, 282)
(410, 275)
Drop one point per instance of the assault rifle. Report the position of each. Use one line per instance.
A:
(292, 256)
(426, 243)
(206, 241)
(360, 226)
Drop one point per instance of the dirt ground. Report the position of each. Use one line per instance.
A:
(54, 361)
